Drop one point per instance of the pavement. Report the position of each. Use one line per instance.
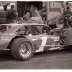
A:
(44, 60)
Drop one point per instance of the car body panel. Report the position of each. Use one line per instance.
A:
(10, 33)
(68, 40)
(43, 40)
(40, 41)
(7, 36)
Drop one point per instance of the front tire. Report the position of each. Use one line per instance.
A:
(22, 49)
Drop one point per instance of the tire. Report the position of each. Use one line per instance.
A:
(22, 49)
(68, 48)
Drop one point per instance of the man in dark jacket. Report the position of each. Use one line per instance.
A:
(66, 15)
(5, 7)
(12, 16)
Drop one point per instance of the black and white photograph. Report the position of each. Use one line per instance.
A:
(35, 34)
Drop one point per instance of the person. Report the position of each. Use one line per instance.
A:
(12, 16)
(5, 7)
(26, 16)
(66, 14)
(5, 11)
(3, 18)
(35, 17)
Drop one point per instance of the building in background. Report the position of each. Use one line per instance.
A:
(49, 9)
(23, 5)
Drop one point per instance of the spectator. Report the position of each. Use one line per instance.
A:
(27, 15)
(12, 16)
(5, 7)
(66, 15)
(67, 11)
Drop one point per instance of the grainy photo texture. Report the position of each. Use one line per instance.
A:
(35, 34)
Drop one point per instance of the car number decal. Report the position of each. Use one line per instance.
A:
(44, 40)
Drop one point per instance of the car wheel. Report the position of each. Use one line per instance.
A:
(22, 49)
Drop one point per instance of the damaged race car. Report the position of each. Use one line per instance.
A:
(22, 45)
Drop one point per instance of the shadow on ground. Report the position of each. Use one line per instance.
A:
(9, 57)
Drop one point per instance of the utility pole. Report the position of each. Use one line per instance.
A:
(47, 10)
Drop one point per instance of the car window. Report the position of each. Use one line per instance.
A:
(2, 28)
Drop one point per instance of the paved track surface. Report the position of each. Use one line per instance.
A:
(50, 60)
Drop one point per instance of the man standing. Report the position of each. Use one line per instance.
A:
(66, 15)
(12, 16)
(5, 7)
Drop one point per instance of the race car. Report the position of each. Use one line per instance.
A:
(22, 46)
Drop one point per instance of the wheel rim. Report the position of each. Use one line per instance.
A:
(25, 49)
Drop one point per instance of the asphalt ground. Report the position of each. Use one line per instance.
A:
(43, 60)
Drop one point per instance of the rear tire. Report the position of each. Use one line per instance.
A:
(22, 49)
(68, 48)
